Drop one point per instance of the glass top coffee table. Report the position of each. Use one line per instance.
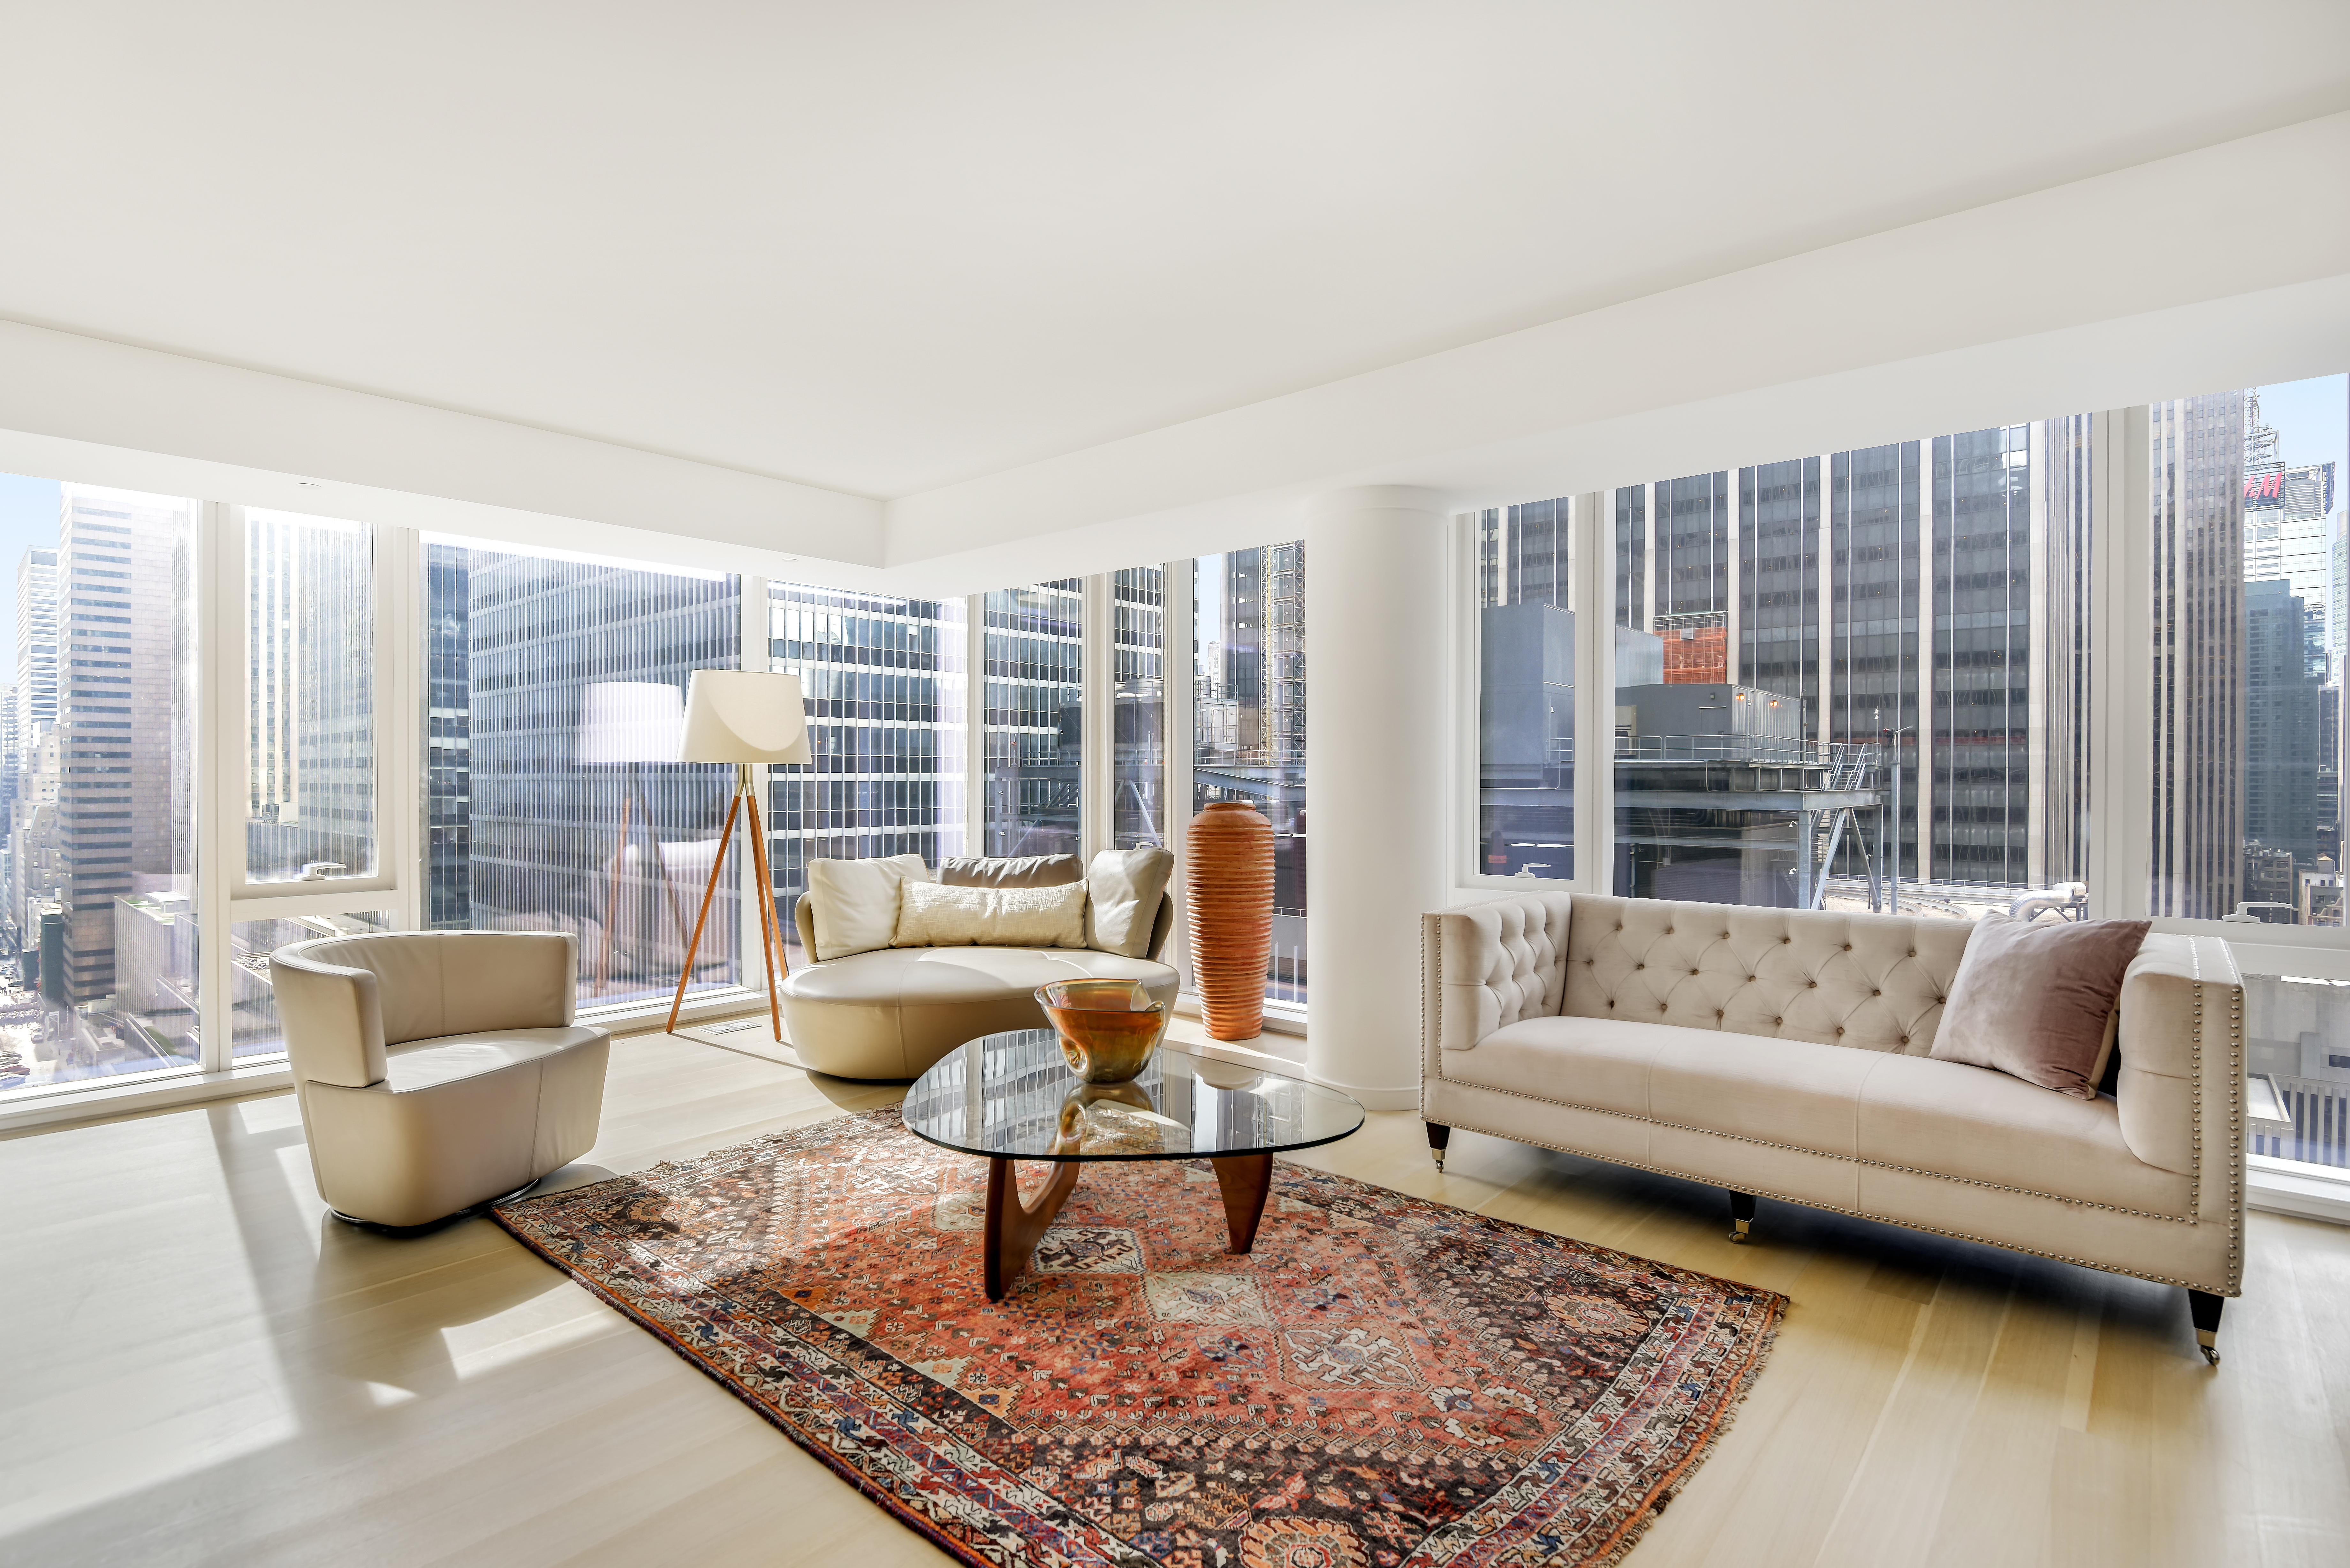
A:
(1011, 1096)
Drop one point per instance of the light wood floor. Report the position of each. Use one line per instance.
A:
(197, 1365)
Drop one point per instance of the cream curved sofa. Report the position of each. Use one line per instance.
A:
(1783, 1053)
(891, 1013)
(437, 1070)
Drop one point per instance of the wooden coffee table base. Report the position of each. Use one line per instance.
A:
(1014, 1228)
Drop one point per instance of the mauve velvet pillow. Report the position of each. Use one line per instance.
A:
(2032, 999)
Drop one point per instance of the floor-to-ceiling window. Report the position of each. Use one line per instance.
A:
(884, 680)
(308, 699)
(100, 962)
(2247, 503)
(1139, 711)
(554, 682)
(1248, 720)
(1034, 741)
(1526, 685)
(307, 721)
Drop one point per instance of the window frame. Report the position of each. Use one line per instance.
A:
(391, 645)
(1591, 595)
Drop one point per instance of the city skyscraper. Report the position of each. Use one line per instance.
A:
(2196, 451)
(1035, 707)
(1139, 648)
(310, 696)
(884, 682)
(36, 647)
(11, 763)
(2285, 729)
(125, 576)
(2289, 534)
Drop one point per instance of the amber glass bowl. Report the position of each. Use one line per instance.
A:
(1108, 1028)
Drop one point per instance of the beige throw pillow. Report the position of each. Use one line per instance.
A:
(931, 915)
(2037, 1001)
(1123, 888)
(855, 901)
(1010, 870)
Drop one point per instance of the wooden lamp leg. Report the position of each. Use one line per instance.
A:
(717, 864)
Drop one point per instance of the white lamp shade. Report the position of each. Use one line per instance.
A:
(630, 721)
(743, 716)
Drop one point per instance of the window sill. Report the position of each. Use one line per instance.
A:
(1280, 1017)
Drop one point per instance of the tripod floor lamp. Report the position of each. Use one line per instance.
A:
(746, 717)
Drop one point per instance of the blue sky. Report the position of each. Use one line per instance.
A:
(2311, 420)
(2311, 423)
(28, 516)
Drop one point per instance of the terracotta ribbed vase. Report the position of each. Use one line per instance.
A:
(1230, 883)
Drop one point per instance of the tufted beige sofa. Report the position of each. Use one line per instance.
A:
(1783, 1053)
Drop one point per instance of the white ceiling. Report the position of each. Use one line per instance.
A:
(886, 247)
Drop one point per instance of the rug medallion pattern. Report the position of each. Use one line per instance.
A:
(1385, 1381)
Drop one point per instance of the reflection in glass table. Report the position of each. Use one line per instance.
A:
(1011, 1096)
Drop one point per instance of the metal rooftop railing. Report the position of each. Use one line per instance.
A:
(1844, 760)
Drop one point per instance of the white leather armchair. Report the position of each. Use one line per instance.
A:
(438, 1070)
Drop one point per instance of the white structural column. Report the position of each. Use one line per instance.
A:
(1375, 762)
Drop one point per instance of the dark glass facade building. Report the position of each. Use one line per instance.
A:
(884, 681)
(1035, 718)
(522, 836)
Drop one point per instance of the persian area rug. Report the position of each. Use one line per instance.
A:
(1384, 1381)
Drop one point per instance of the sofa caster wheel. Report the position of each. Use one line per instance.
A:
(1438, 1135)
(1741, 1217)
(2204, 1308)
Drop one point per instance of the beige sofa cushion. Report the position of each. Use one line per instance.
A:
(1876, 1107)
(1788, 1091)
(1954, 1120)
(855, 901)
(962, 974)
(933, 915)
(1573, 1061)
(1123, 888)
(893, 1012)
